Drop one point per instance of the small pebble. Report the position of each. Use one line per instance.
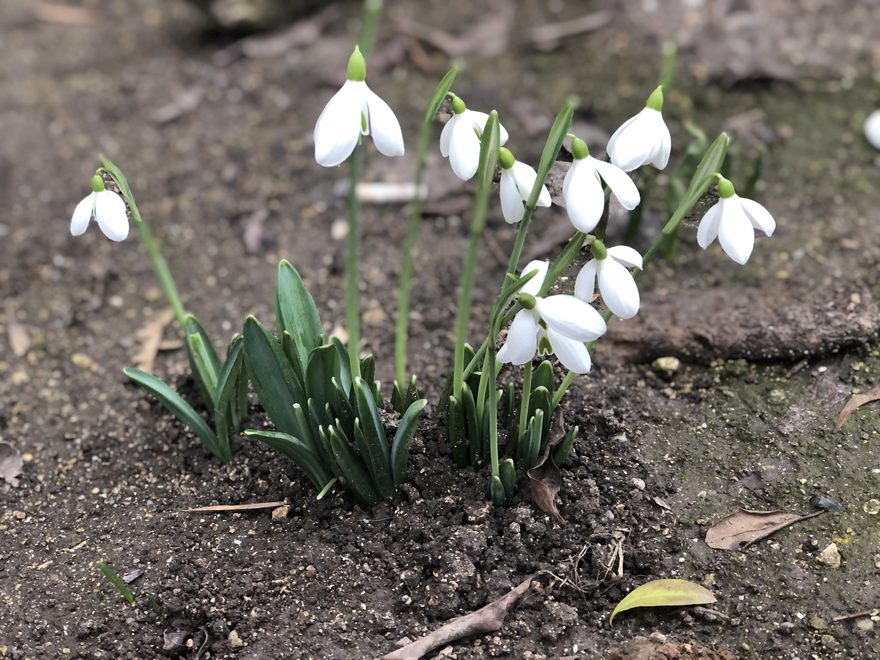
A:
(638, 483)
(871, 507)
(234, 641)
(830, 556)
(865, 625)
(669, 364)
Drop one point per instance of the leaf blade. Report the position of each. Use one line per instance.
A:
(664, 593)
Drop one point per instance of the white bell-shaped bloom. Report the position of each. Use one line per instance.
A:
(460, 139)
(104, 207)
(733, 220)
(582, 188)
(872, 129)
(517, 181)
(353, 111)
(642, 139)
(560, 324)
(616, 283)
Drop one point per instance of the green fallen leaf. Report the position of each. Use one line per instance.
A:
(664, 593)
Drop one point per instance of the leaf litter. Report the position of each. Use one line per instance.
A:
(664, 593)
(742, 528)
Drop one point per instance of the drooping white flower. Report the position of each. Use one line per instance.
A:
(582, 188)
(733, 220)
(353, 111)
(460, 139)
(643, 138)
(872, 129)
(559, 324)
(616, 283)
(104, 207)
(517, 181)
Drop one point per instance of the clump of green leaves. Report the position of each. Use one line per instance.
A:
(329, 421)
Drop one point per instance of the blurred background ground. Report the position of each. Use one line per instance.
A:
(212, 123)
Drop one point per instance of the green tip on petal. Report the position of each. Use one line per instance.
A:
(544, 346)
(725, 188)
(655, 101)
(458, 105)
(357, 66)
(505, 158)
(599, 250)
(579, 149)
(526, 301)
(97, 183)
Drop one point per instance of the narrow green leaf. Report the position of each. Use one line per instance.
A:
(117, 582)
(322, 367)
(664, 593)
(507, 474)
(288, 346)
(710, 164)
(327, 488)
(342, 405)
(227, 389)
(326, 449)
(455, 432)
(403, 439)
(203, 359)
(297, 451)
(297, 313)
(374, 457)
(551, 150)
(372, 423)
(536, 434)
(496, 491)
(307, 433)
(175, 404)
(344, 364)
(352, 468)
(543, 377)
(368, 368)
(473, 426)
(272, 376)
(440, 93)
(541, 400)
(562, 451)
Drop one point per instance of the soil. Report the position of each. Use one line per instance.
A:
(216, 145)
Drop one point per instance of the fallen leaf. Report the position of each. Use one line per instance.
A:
(664, 593)
(302, 33)
(150, 337)
(547, 37)
(857, 401)
(487, 37)
(235, 507)
(10, 464)
(19, 341)
(65, 14)
(741, 529)
(545, 479)
(132, 575)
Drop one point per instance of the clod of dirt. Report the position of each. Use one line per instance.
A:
(10, 464)
(656, 646)
(830, 556)
(782, 323)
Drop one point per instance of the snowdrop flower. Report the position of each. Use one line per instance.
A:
(555, 324)
(517, 180)
(582, 188)
(642, 139)
(732, 220)
(103, 206)
(872, 129)
(460, 139)
(353, 111)
(616, 283)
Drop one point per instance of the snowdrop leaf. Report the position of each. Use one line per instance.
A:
(403, 439)
(507, 474)
(297, 313)
(440, 93)
(473, 426)
(227, 387)
(710, 164)
(557, 134)
(373, 450)
(352, 469)
(296, 450)
(175, 404)
(535, 434)
(664, 593)
(562, 451)
(321, 369)
(344, 365)
(543, 377)
(455, 431)
(489, 145)
(203, 359)
(541, 401)
(369, 416)
(121, 183)
(272, 376)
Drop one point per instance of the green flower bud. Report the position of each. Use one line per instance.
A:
(97, 183)
(655, 101)
(725, 188)
(505, 158)
(599, 250)
(579, 149)
(458, 105)
(526, 300)
(357, 66)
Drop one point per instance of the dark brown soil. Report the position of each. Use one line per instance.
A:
(229, 184)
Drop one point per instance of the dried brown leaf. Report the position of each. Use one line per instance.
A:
(219, 508)
(150, 337)
(545, 480)
(855, 402)
(741, 529)
(19, 341)
(51, 12)
(10, 464)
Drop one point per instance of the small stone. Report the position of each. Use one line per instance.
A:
(234, 641)
(865, 625)
(20, 378)
(777, 396)
(638, 483)
(83, 361)
(338, 229)
(19, 515)
(281, 512)
(830, 556)
(669, 364)
(871, 507)
(818, 623)
(829, 642)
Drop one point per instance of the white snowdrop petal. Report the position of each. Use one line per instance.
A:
(735, 232)
(512, 206)
(708, 229)
(82, 214)
(612, 142)
(571, 317)
(573, 355)
(479, 119)
(533, 286)
(584, 199)
(338, 128)
(384, 127)
(664, 148)
(632, 144)
(110, 213)
(621, 185)
(618, 289)
(758, 215)
(522, 339)
(872, 129)
(585, 284)
(446, 135)
(524, 176)
(626, 255)
(464, 151)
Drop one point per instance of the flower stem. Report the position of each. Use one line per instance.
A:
(563, 387)
(524, 398)
(369, 28)
(352, 263)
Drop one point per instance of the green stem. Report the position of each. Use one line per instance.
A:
(352, 267)
(524, 399)
(369, 28)
(563, 387)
